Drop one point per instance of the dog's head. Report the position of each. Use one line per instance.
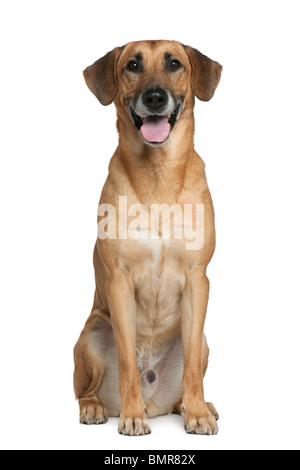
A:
(152, 84)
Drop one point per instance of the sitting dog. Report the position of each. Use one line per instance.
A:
(143, 352)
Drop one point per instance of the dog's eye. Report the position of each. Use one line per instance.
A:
(174, 65)
(132, 66)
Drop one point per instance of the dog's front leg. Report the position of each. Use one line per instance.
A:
(197, 416)
(120, 291)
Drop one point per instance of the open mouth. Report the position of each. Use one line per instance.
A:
(154, 128)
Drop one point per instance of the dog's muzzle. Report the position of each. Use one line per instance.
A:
(155, 114)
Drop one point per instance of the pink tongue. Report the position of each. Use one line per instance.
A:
(155, 129)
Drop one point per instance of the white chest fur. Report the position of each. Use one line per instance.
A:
(151, 242)
(158, 277)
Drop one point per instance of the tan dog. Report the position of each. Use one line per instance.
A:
(143, 352)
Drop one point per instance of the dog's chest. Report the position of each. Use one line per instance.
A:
(158, 275)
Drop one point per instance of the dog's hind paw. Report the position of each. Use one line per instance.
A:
(93, 414)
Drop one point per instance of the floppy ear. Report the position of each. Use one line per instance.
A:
(206, 74)
(100, 77)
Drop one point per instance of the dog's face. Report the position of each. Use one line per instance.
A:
(152, 84)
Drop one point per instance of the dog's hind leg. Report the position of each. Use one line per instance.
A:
(88, 374)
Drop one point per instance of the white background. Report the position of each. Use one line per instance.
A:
(56, 142)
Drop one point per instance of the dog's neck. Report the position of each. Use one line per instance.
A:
(156, 173)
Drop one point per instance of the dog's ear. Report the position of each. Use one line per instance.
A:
(101, 77)
(206, 74)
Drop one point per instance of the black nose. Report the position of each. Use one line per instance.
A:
(155, 99)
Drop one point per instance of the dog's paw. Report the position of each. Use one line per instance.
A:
(213, 411)
(134, 426)
(93, 414)
(203, 423)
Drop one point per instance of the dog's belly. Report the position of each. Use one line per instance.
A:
(166, 365)
(159, 279)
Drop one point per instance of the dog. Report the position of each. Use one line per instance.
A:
(143, 352)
